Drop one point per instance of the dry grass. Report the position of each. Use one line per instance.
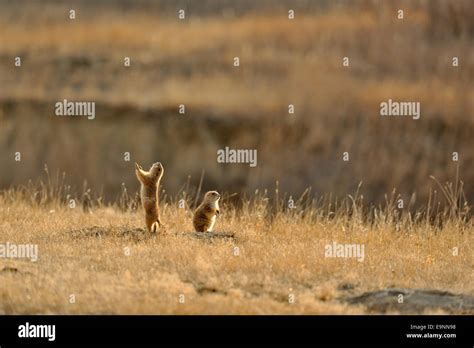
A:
(82, 250)
(281, 252)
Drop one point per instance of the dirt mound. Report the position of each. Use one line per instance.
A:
(101, 232)
(139, 234)
(210, 236)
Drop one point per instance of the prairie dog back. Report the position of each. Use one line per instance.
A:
(206, 214)
(149, 193)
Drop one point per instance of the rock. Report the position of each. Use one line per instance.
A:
(415, 301)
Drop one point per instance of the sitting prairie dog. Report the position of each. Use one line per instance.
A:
(149, 194)
(205, 215)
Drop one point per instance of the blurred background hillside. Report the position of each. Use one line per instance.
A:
(282, 62)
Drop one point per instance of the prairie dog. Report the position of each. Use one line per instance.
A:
(149, 194)
(205, 215)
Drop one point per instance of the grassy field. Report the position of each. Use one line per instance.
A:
(264, 257)
(262, 260)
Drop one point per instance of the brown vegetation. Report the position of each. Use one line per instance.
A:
(90, 234)
(261, 256)
(190, 62)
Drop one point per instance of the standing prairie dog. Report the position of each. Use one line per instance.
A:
(205, 215)
(149, 192)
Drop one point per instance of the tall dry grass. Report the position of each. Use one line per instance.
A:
(100, 254)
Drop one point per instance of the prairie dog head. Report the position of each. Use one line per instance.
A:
(152, 176)
(212, 197)
(156, 171)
